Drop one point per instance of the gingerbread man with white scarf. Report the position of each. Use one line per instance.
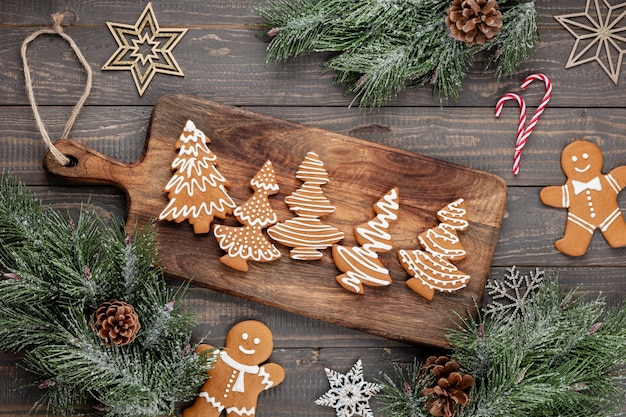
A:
(590, 197)
(238, 377)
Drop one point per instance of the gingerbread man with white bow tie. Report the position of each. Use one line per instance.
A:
(590, 197)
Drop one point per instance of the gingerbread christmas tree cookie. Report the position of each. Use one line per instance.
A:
(432, 268)
(360, 264)
(239, 374)
(443, 241)
(430, 273)
(454, 215)
(197, 190)
(248, 242)
(590, 198)
(306, 233)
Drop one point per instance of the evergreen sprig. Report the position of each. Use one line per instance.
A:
(56, 272)
(382, 47)
(557, 356)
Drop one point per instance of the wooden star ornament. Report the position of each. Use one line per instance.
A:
(145, 49)
(600, 36)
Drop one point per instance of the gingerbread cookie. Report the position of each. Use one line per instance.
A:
(361, 264)
(431, 269)
(443, 241)
(431, 273)
(590, 197)
(248, 242)
(454, 215)
(239, 375)
(197, 190)
(306, 233)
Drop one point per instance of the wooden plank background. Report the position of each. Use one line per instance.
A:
(222, 56)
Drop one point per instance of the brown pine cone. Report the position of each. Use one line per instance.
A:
(116, 323)
(474, 21)
(451, 388)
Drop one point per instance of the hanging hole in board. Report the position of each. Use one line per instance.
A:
(73, 161)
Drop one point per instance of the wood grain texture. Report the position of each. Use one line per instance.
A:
(222, 57)
(243, 141)
(475, 138)
(227, 64)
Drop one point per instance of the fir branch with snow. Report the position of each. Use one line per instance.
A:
(555, 354)
(56, 272)
(382, 47)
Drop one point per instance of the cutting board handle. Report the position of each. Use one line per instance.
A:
(87, 165)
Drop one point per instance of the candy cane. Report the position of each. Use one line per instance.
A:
(544, 100)
(533, 121)
(521, 131)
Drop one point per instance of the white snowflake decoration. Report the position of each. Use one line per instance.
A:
(349, 394)
(511, 294)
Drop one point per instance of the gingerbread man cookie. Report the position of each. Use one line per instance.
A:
(590, 197)
(239, 375)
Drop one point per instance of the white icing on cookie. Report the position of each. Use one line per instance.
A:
(309, 200)
(434, 271)
(454, 215)
(246, 242)
(374, 235)
(257, 211)
(312, 170)
(196, 190)
(360, 264)
(306, 233)
(443, 241)
(172, 210)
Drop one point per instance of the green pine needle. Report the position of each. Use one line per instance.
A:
(383, 47)
(557, 357)
(56, 272)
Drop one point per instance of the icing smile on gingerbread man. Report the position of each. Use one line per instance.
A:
(590, 197)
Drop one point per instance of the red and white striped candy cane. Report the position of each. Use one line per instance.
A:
(544, 100)
(533, 121)
(521, 130)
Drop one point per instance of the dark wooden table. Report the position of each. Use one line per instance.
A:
(222, 57)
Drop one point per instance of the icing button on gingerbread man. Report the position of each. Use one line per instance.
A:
(590, 197)
(238, 377)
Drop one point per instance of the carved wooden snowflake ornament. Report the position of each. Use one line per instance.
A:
(349, 394)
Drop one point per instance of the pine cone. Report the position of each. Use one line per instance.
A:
(474, 21)
(117, 322)
(450, 391)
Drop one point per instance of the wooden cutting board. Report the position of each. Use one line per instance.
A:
(360, 173)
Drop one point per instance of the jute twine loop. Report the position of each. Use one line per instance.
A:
(56, 29)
